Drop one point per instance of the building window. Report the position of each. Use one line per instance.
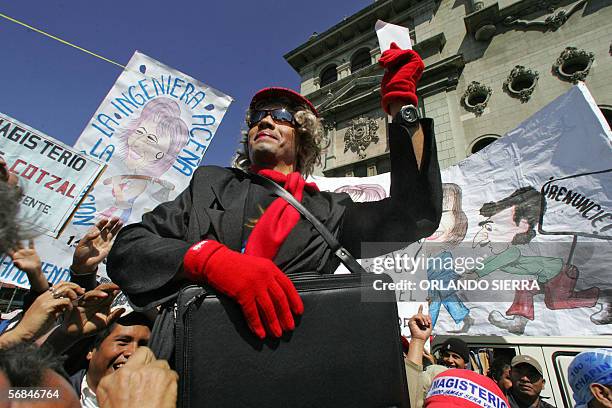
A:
(361, 59)
(521, 83)
(476, 97)
(482, 142)
(573, 65)
(329, 75)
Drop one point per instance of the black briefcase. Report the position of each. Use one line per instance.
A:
(344, 352)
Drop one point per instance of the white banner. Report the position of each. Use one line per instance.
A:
(152, 129)
(534, 206)
(53, 176)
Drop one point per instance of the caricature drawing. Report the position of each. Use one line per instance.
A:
(509, 222)
(149, 147)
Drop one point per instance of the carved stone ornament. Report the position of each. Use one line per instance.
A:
(521, 83)
(573, 65)
(552, 22)
(360, 134)
(328, 128)
(476, 97)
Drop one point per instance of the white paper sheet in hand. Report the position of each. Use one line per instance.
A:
(388, 33)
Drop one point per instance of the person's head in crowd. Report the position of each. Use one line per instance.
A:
(500, 373)
(284, 133)
(527, 379)
(27, 365)
(456, 388)
(113, 346)
(590, 376)
(10, 196)
(454, 353)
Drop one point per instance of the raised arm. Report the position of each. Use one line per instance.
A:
(414, 207)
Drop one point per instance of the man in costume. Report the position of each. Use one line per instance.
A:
(234, 235)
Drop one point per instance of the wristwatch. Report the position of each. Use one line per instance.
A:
(408, 114)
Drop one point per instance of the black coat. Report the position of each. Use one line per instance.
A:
(148, 255)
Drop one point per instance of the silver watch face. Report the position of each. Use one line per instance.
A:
(409, 114)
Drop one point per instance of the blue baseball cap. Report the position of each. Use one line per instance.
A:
(588, 367)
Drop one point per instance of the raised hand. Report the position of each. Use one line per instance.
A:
(266, 295)
(95, 245)
(420, 325)
(45, 310)
(92, 312)
(27, 259)
(403, 70)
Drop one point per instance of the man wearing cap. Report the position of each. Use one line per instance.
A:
(590, 376)
(454, 353)
(233, 234)
(527, 383)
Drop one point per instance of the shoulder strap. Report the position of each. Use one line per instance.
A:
(347, 259)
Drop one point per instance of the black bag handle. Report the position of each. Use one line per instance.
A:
(347, 259)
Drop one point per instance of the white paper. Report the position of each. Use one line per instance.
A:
(388, 33)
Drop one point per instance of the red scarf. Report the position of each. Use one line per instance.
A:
(279, 218)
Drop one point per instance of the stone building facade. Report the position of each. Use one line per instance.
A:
(489, 65)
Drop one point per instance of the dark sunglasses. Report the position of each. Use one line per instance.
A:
(278, 115)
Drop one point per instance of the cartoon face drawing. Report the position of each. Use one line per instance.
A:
(499, 230)
(511, 220)
(145, 147)
(150, 146)
(152, 142)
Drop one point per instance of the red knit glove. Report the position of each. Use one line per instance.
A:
(255, 283)
(403, 70)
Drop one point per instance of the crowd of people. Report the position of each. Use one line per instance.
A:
(237, 237)
(448, 381)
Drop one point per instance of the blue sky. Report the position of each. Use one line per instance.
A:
(234, 46)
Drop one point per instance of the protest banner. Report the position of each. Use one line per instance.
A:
(534, 208)
(52, 176)
(152, 130)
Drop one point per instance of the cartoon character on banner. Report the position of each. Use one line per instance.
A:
(511, 222)
(440, 267)
(149, 147)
